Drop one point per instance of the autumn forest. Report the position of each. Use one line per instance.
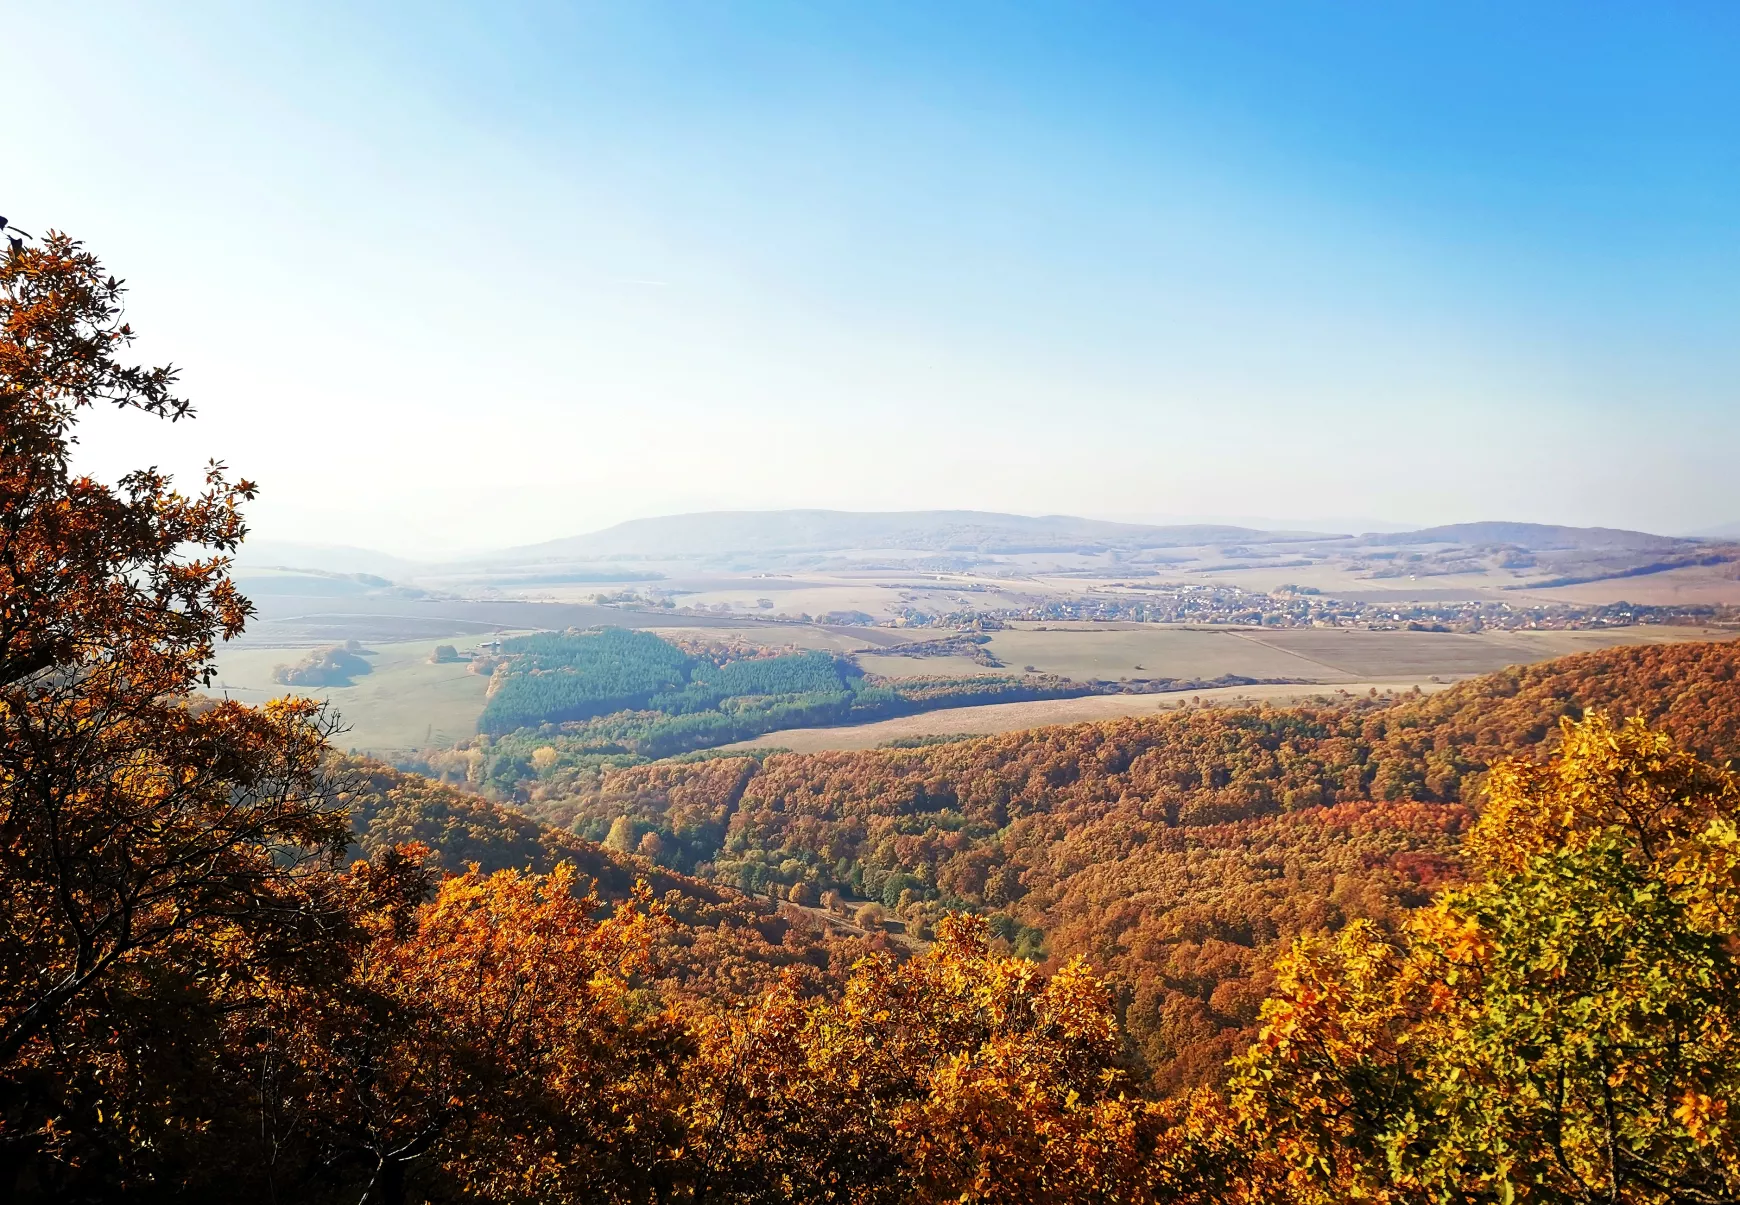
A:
(1479, 945)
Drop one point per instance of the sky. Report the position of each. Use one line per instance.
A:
(445, 277)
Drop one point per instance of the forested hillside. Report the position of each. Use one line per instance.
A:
(720, 945)
(1179, 852)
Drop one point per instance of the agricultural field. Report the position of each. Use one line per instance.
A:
(1117, 651)
(1332, 662)
(407, 703)
(404, 702)
(1015, 717)
(988, 598)
(1399, 655)
(891, 666)
(1709, 585)
(1114, 651)
(902, 568)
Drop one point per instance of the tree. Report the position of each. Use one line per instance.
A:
(152, 846)
(488, 1041)
(956, 1076)
(621, 837)
(1566, 1030)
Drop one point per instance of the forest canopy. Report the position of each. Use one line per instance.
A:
(1180, 852)
(622, 692)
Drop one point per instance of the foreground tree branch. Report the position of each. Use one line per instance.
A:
(153, 845)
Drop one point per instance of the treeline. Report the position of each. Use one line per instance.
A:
(701, 716)
(633, 693)
(334, 665)
(649, 735)
(551, 677)
(1180, 852)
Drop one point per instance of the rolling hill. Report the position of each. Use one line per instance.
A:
(259, 554)
(1535, 537)
(716, 533)
(1179, 852)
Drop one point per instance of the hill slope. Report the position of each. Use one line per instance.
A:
(1536, 537)
(721, 946)
(796, 531)
(1180, 852)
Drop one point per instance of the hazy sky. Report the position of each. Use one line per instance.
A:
(453, 276)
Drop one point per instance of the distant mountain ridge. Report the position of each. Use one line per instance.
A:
(1536, 537)
(818, 531)
(260, 553)
(815, 531)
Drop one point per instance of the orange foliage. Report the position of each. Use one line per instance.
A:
(717, 946)
(1565, 1029)
(1179, 852)
(956, 1076)
(197, 1004)
(488, 1041)
(157, 856)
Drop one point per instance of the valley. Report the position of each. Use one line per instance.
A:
(1182, 849)
(407, 703)
(867, 751)
(1113, 613)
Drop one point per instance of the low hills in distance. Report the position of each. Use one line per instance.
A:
(1532, 537)
(898, 568)
(785, 533)
(715, 533)
(1067, 607)
(264, 553)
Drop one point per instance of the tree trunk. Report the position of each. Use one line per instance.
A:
(391, 1186)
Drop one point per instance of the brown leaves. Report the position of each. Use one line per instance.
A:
(958, 1075)
(158, 855)
(489, 1036)
(92, 573)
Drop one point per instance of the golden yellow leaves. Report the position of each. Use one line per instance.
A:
(1566, 1027)
(1702, 1115)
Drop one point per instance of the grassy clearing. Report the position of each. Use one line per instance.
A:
(1115, 651)
(404, 703)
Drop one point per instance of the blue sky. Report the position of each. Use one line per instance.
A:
(456, 276)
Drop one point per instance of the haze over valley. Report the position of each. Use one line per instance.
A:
(1112, 618)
